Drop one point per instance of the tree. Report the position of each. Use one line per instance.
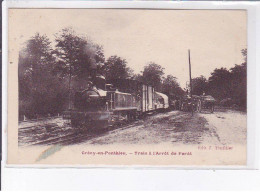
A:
(40, 92)
(219, 83)
(34, 60)
(171, 87)
(137, 77)
(153, 75)
(36, 57)
(199, 85)
(116, 68)
(77, 56)
(239, 82)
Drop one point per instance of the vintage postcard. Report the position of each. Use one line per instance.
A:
(123, 87)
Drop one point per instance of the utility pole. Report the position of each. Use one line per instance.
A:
(70, 87)
(190, 75)
(190, 84)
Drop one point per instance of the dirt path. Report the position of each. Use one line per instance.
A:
(230, 127)
(175, 127)
(178, 127)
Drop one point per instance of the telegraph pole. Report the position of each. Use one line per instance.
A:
(190, 75)
(190, 84)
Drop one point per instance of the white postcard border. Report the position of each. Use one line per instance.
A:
(30, 174)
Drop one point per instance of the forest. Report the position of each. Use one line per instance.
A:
(50, 72)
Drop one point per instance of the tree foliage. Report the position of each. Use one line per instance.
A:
(39, 91)
(116, 68)
(171, 87)
(199, 85)
(239, 84)
(219, 83)
(153, 75)
(77, 56)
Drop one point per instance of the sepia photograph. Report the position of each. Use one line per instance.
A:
(145, 87)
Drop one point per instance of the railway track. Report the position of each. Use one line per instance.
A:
(39, 119)
(49, 133)
(78, 137)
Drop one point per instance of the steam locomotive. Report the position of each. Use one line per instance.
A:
(114, 101)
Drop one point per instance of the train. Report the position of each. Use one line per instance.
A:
(114, 101)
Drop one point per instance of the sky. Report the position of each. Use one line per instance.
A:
(215, 37)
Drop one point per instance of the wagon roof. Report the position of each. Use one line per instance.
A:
(127, 80)
(102, 92)
(122, 93)
(164, 96)
(208, 98)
